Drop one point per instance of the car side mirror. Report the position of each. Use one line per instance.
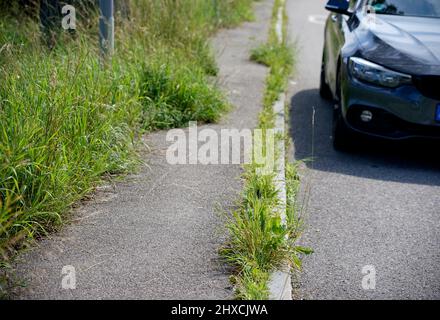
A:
(339, 6)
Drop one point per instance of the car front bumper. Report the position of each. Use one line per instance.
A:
(399, 113)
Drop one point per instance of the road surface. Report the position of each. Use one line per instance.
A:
(378, 206)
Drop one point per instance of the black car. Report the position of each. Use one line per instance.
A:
(381, 63)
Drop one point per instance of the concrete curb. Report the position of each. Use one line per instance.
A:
(280, 284)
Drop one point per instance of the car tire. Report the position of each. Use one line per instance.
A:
(324, 89)
(342, 135)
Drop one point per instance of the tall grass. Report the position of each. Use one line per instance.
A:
(66, 120)
(259, 241)
(173, 96)
(279, 57)
(257, 237)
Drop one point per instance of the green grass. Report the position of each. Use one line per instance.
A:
(259, 241)
(67, 121)
(173, 96)
(279, 57)
(257, 235)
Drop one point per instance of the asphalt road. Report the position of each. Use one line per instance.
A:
(377, 206)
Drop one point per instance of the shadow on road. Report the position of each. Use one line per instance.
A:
(406, 162)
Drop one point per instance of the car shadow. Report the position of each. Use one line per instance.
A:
(416, 162)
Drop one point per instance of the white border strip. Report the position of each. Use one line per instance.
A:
(280, 284)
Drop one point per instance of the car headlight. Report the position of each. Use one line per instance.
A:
(370, 72)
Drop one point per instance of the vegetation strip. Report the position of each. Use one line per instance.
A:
(280, 287)
(263, 229)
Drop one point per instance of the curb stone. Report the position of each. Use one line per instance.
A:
(280, 284)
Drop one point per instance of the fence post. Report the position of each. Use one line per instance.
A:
(106, 27)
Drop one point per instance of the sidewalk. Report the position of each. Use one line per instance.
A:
(156, 235)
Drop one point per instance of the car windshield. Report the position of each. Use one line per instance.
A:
(419, 8)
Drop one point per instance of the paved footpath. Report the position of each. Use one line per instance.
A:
(376, 207)
(156, 235)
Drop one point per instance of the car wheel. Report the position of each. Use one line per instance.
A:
(324, 89)
(342, 135)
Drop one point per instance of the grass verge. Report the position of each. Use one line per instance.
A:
(67, 121)
(259, 241)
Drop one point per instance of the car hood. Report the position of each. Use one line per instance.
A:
(402, 43)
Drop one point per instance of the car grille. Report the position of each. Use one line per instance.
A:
(429, 86)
